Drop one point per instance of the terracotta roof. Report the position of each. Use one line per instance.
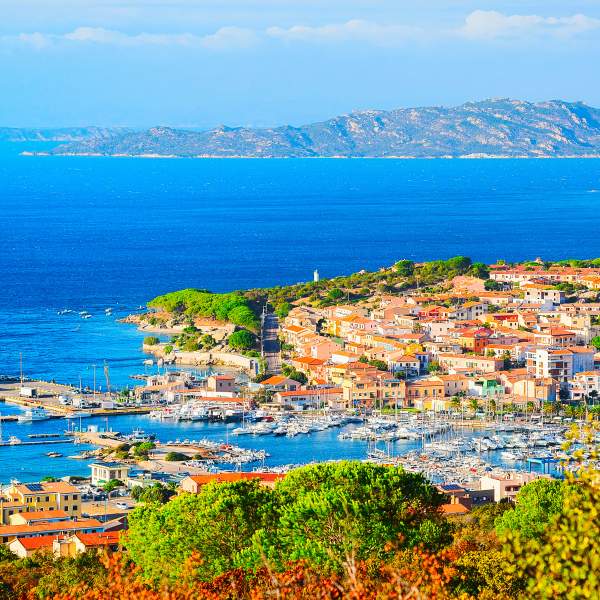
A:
(454, 509)
(36, 543)
(7, 530)
(44, 514)
(105, 538)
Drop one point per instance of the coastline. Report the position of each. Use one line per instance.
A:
(250, 157)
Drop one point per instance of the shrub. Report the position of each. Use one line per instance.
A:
(151, 340)
(241, 340)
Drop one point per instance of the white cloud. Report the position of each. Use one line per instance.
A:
(222, 39)
(351, 31)
(488, 24)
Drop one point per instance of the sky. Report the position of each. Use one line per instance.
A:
(203, 63)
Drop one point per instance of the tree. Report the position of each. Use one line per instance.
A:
(282, 310)
(241, 340)
(433, 367)
(332, 513)
(479, 270)
(474, 405)
(335, 294)
(175, 456)
(595, 341)
(492, 286)
(217, 525)
(536, 504)
(151, 340)
(208, 341)
(111, 485)
(168, 349)
(405, 268)
(380, 365)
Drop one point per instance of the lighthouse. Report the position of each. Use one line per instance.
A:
(316, 276)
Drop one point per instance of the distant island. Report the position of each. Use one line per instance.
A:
(496, 128)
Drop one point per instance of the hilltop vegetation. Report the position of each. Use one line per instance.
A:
(233, 307)
(498, 127)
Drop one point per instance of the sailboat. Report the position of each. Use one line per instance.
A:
(13, 440)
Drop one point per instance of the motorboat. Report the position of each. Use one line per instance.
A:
(33, 414)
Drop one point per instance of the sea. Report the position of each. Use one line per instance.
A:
(91, 233)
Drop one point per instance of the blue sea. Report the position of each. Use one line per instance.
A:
(96, 233)
(92, 233)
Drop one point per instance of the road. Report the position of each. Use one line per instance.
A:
(272, 351)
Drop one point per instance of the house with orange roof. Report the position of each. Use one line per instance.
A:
(27, 547)
(280, 383)
(555, 336)
(313, 367)
(399, 362)
(544, 294)
(307, 399)
(46, 528)
(79, 543)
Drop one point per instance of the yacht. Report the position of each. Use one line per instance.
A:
(33, 414)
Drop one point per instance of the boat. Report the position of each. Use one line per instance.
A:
(79, 414)
(33, 414)
(139, 435)
(13, 440)
(53, 454)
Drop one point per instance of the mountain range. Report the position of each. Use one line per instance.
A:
(489, 128)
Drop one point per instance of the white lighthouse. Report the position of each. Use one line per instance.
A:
(316, 276)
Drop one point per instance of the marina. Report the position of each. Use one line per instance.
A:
(271, 442)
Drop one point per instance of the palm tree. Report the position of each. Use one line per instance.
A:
(474, 405)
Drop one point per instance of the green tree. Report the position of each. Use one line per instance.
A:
(241, 340)
(330, 513)
(151, 340)
(536, 504)
(111, 485)
(380, 365)
(479, 270)
(282, 310)
(405, 268)
(335, 294)
(208, 341)
(217, 525)
(595, 341)
(175, 456)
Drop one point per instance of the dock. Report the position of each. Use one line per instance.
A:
(36, 443)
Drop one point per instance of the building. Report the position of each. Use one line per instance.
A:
(8, 533)
(220, 384)
(26, 547)
(316, 398)
(280, 383)
(193, 484)
(560, 364)
(35, 497)
(543, 294)
(103, 472)
(470, 362)
(507, 485)
(585, 385)
(79, 543)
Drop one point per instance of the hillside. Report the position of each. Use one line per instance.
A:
(499, 127)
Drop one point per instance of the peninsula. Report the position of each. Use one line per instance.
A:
(496, 128)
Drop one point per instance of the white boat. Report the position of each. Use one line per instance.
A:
(33, 414)
(79, 414)
(13, 440)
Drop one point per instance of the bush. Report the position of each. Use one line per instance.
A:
(241, 340)
(175, 457)
(151, 340)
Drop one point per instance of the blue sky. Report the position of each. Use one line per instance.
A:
(201, 63)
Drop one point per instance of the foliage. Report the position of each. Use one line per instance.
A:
(479, 270)
(536, 504)
(595, 341)
(241, 340)
(405, 268)
(111, 485)
(492, 286)
(168, 349)
(330, 512)
(232, 307)
(156, 493)
(282, 310)
(151, 340)
(380, 365)
(217, 525)
(175, 456)
(294, 374)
